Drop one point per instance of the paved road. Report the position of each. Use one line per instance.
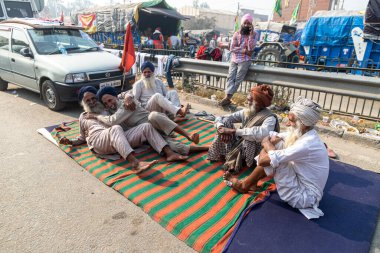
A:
(48, 203)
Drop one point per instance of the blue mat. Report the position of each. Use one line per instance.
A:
(351, 205)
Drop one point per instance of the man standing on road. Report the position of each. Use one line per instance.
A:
(238, 146)
(297, 159)
(242, 47)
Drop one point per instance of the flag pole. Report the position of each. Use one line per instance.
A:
(268, 23)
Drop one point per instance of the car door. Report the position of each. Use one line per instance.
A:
(22, 66)
(5, 66)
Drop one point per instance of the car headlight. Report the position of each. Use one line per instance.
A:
(76, 78)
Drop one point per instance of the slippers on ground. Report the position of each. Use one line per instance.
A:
(210, 117)
(201, 113)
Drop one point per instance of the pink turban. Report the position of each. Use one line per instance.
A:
(246, 17)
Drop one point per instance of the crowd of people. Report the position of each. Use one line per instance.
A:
(149, 114)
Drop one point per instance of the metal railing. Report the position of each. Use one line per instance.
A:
(339, 92)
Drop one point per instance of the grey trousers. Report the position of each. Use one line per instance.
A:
(114, 139)
(162, 123)
(158, 103)
(236, 74)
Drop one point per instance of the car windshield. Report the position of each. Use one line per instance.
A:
(57, 41)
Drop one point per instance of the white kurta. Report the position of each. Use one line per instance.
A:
(143, 94)
(300, 172)
(256, 133)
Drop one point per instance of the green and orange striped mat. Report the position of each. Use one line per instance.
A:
(189, 199)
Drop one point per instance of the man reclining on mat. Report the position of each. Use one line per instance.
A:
(237, 146)
(127, 118)
(109, 140)
(153, 96)
(297, 159)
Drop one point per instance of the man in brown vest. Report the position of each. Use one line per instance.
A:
(239, 146)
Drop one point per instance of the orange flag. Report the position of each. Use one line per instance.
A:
(128, 58)
(61, 18)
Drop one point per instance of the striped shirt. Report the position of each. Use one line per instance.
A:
(241, 42)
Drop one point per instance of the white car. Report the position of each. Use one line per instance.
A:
(55, 61)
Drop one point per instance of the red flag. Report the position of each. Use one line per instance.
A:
(61, 18)
(128, 58)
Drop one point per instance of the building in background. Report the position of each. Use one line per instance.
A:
(224, 20)
(307, 9)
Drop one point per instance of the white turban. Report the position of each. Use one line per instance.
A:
(306, 111)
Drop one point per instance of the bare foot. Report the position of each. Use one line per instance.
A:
(238, 185)
(194, 138)
(176, 157)
(183, 111)
(143, 166)
(179, 119)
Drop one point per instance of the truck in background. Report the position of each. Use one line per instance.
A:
(20, 8)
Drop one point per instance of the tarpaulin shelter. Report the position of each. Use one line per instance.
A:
(331, 28)
(144, 15)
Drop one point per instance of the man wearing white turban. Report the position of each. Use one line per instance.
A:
(297, 159)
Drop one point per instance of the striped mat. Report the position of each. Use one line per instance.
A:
(189, 199)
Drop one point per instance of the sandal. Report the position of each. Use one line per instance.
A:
(201, 113)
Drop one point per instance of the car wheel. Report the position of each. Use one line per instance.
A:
(51, 96)
(3, 85)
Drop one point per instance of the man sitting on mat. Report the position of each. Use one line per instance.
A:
(152, 94)
(236, 146)
(121, 115)
(297, 159)
(109, 140)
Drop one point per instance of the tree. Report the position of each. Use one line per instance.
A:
(204, 5)
(199, 23)
(195, 4)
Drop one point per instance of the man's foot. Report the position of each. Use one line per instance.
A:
(238, 185)
(176, 157)
(183, 111)
(194, 138)
(179, 119)
(142, 166)
(225, 101)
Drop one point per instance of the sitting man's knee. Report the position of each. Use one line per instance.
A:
(153, 116)
(116, 128)
(157, 96)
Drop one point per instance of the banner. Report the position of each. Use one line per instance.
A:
(88, 22)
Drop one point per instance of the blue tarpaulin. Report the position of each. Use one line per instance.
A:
(330, 31)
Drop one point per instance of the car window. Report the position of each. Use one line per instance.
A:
(19, 41)
(18, 9)
(1, 11)
(48, 41)
(4, 40)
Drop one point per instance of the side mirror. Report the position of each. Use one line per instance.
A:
(26, 52)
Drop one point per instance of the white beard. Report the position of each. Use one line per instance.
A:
(294, 135)
(150, 82)
(98, 108)
(248, 113)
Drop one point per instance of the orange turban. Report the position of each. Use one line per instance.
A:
(262, 94)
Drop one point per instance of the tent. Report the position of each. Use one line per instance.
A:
(144, 15)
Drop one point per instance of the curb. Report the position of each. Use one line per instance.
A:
(358, 139)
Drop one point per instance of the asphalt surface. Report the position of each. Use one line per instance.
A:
(48, 203)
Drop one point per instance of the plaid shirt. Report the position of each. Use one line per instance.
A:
(241, 42)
